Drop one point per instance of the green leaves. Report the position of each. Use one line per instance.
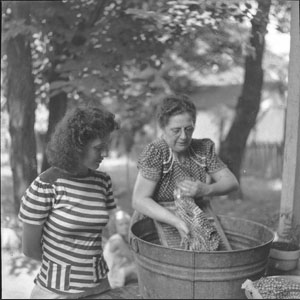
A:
(104, 48)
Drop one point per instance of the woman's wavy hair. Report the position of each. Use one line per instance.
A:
(78, 127)
(172, 106)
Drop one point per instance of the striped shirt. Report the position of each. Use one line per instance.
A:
(73, 211)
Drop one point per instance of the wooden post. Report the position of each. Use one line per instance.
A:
(290, 195)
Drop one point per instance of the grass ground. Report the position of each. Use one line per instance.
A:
(261, 204)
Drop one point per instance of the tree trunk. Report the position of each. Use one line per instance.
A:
(58, 103)
(233, 147)
(21, 107)
(57, 108)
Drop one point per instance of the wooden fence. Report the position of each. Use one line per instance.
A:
(263, 160)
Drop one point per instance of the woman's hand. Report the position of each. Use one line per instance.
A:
(194, 189)
(182, 229)
(142, 201)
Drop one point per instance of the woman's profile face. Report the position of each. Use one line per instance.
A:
(94, 152)
(178, 132)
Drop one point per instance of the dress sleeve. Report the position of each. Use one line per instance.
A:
(213, 162)
(150, 162)
(37, 202)
(110, 200)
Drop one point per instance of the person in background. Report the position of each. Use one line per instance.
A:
(177, 160)
(66, 207)
(117, 252)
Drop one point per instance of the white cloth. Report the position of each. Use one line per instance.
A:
(119, 259)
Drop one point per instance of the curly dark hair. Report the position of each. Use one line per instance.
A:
(79, 126)
(172, 106)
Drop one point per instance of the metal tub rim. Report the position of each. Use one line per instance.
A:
(211, 252)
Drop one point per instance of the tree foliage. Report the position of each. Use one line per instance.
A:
(126, 54)
(97, 50)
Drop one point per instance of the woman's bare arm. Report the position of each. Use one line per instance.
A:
(142, 201)
(223, 183)
(31, 241)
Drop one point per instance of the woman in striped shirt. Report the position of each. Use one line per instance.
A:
(66, 207)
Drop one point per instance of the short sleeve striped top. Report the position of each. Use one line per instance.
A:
(158, 163)
(73, 211)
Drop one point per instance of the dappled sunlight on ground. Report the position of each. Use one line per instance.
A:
(18, 273)
(20, 264)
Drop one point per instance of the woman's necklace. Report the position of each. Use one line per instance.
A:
(181, 158)
(184, 163)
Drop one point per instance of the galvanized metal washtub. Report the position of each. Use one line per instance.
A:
(180, 274)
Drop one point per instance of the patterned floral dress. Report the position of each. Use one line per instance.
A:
(157, 162)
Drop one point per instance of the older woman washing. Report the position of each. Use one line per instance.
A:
(177, 160)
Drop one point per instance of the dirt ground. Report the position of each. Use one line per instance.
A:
(261, 204)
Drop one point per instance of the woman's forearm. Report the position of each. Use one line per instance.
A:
(223, 183)
(150, 208)
(142, 201)
(35, 254)
(31, 241)
(221, 188)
